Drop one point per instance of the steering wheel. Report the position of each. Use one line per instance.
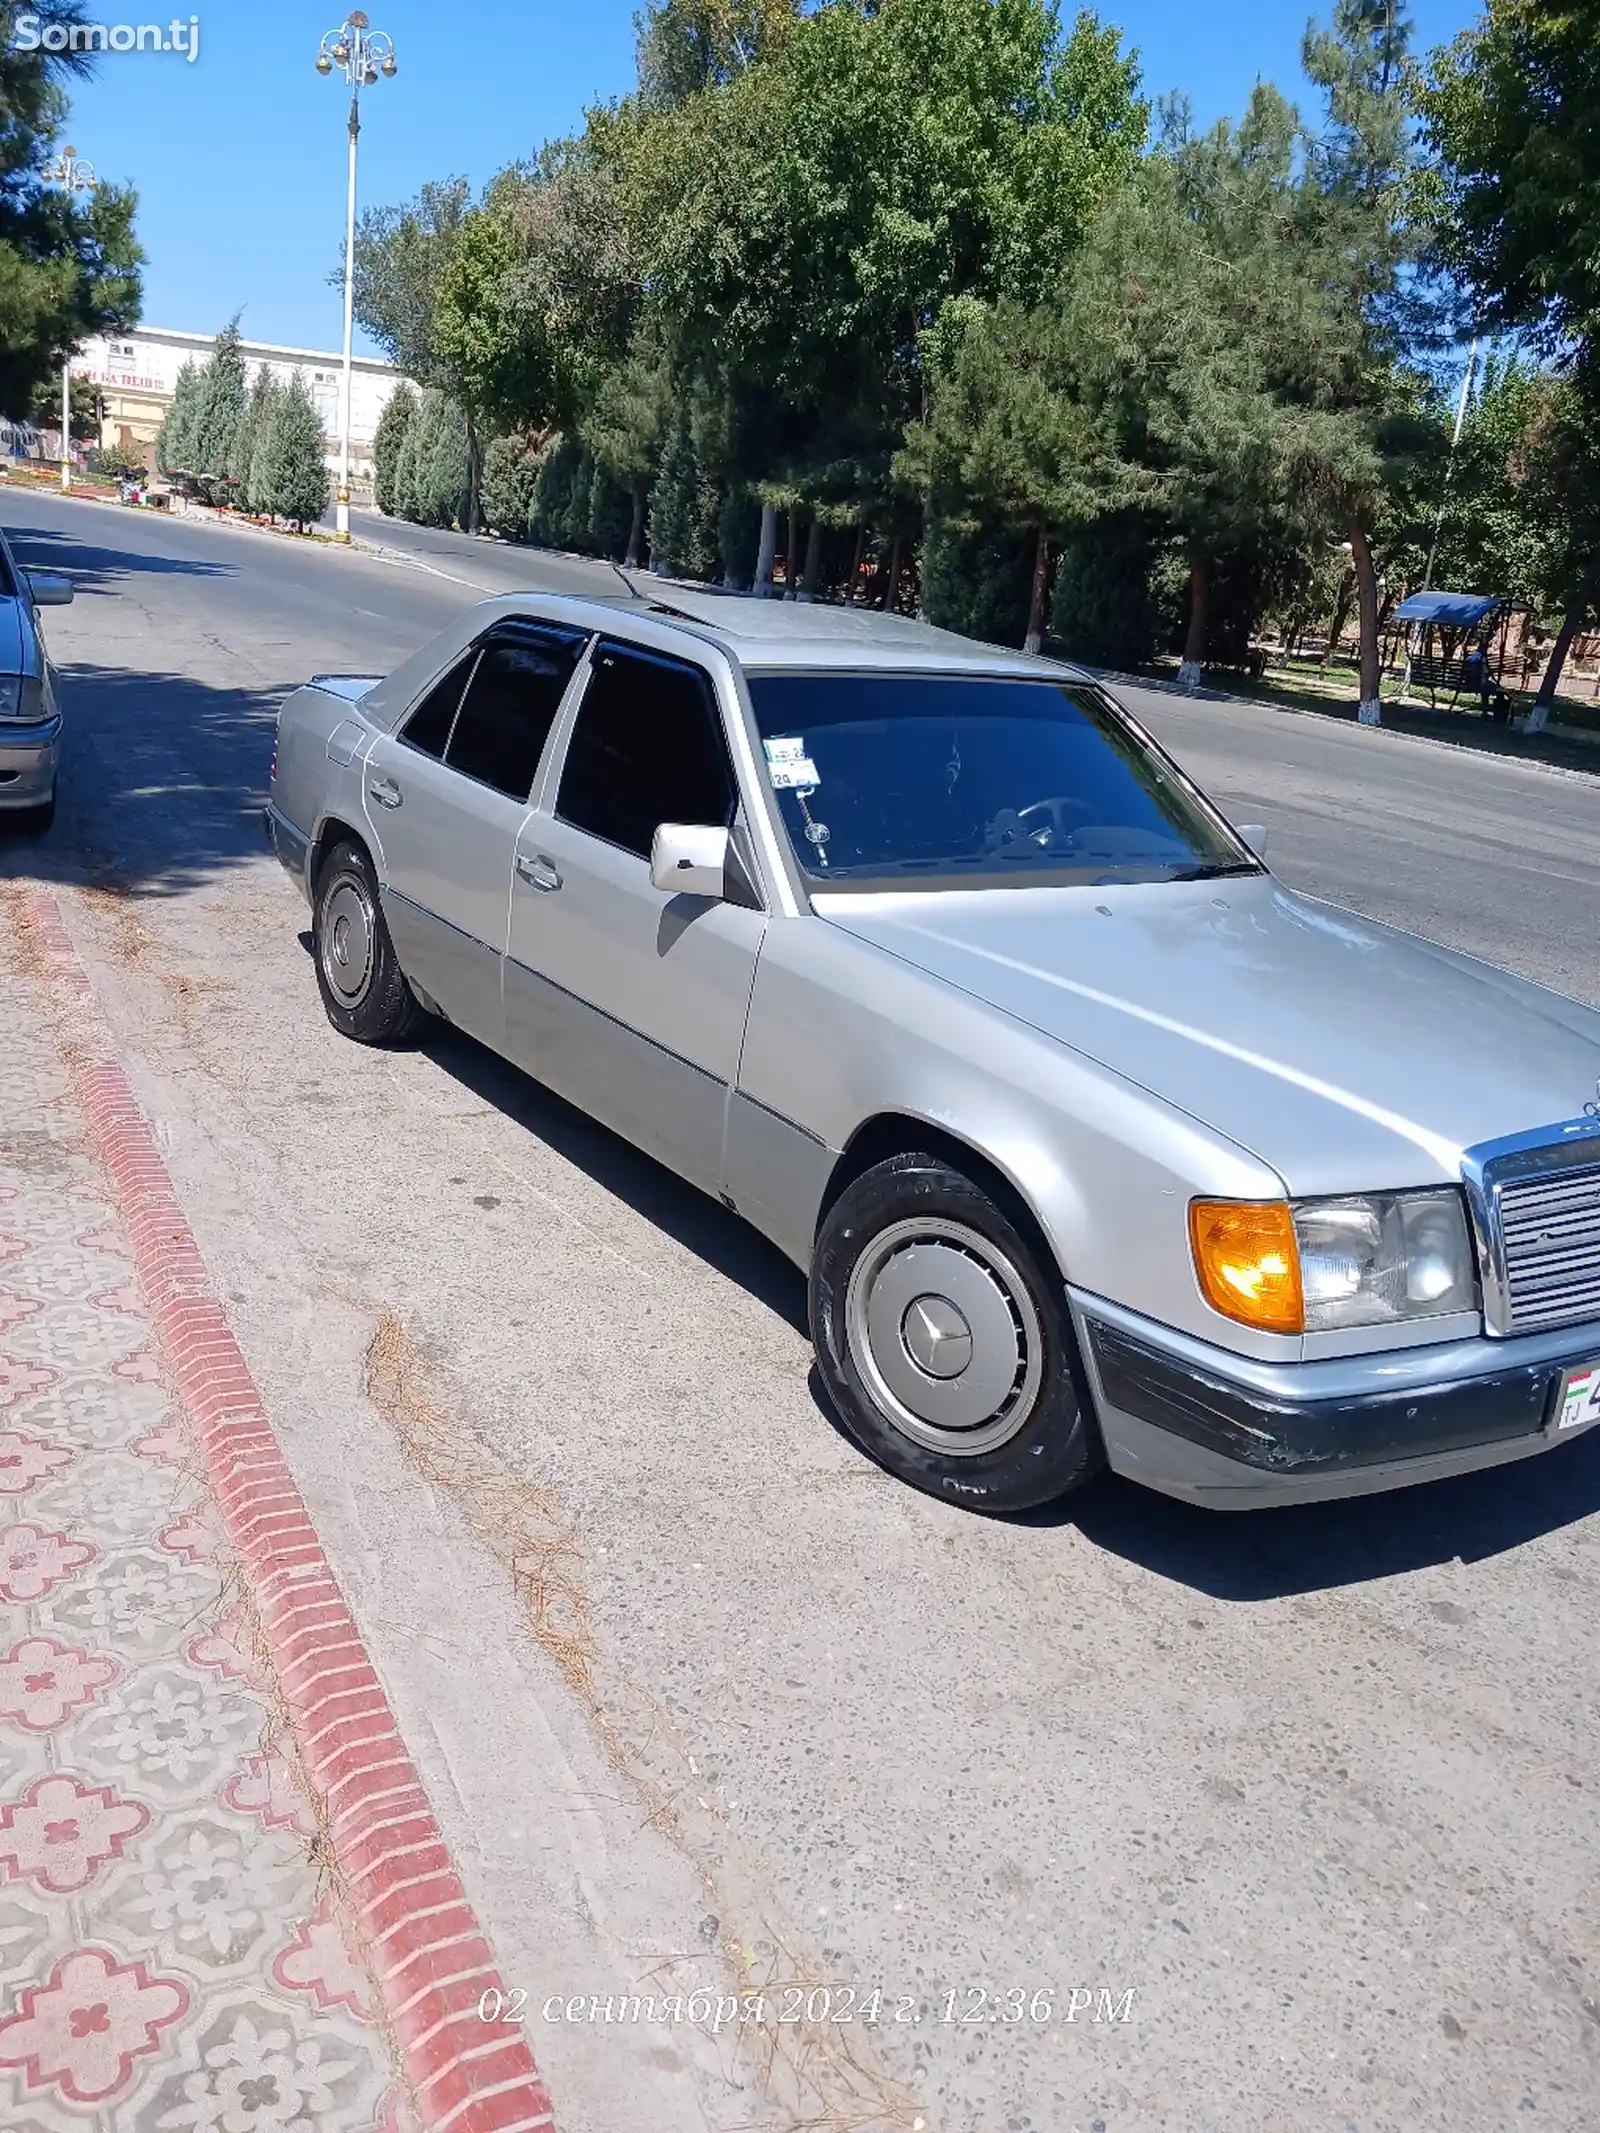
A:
(1042, 823)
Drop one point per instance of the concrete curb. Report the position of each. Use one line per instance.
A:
(427, 1951)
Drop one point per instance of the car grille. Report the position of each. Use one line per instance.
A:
(1550, 1236)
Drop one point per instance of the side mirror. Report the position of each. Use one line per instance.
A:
(48, 588)
(1253, 835)
(685, 861)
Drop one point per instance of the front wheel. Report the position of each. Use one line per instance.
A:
(358, 973)
(943, 1337)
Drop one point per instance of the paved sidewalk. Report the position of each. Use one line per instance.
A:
(169, 1953)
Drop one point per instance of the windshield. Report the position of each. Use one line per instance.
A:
(934, 781)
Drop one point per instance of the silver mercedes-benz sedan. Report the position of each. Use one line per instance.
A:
(1097, 1144)
(30, 706)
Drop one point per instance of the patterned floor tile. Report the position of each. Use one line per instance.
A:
(112, 1499)
(44, 1682)
(168, 1961)
(26, 1461)
(83, 2030)
(270, 2067)
(96, 1414)
(81, 1333)
(139, 1601)
(176, 1733)
(62, 1831)
(210, 1890)
(34, 1560)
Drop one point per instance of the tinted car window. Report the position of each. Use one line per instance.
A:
(510, 706)
(647, 748)
(939, 781)
(8, 584)
(428, 727)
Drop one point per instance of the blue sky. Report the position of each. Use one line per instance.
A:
(239, 157)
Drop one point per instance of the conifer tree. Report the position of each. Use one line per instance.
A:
(247, 433)
(387, 444)
(292, 462)
(175, 439)
(219, 403)
(414, 466)
(444, 485)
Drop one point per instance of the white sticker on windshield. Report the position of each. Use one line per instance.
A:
(788, 748)
(786, 776)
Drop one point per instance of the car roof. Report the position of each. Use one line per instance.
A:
(757, 636)
(776, 633)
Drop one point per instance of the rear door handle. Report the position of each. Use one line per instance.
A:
(385, 792)
(538, 871)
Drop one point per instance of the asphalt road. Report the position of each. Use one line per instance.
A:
(1318, 1786)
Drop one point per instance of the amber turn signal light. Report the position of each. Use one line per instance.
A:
(1248, 1263)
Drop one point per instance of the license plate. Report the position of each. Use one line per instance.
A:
(1580, 1398)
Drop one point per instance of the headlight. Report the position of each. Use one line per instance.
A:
(1384, 1257)
(1315, 1266)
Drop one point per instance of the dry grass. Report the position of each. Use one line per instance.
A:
(822, 2076)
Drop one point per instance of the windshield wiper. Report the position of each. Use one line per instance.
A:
(1214, 871)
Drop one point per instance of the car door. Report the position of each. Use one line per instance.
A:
(629, 999)
(445, 796)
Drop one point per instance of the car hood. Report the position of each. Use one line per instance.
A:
(1347, 1055)
(10, 636)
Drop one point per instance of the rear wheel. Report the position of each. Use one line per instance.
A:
(943, 1338)
(363, 987)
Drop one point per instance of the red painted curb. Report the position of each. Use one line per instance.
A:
(422, 1938)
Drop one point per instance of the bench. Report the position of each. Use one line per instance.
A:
(1461, 677)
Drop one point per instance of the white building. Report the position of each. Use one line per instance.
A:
(136, 374)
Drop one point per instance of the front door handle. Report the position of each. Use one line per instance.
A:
(538, 871)
(385, 792)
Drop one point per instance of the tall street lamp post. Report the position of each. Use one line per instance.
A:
(73, 175)
(360, 53)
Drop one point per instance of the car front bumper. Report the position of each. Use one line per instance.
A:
(29, 759)
(1200, 1422)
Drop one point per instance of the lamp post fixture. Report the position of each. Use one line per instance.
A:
(360, 53)
(73, 175)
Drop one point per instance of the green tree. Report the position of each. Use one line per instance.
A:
(69, 265)
(444, 486)
(625, 426)
(400, 411)
(675, 499)
(413, 467)
(290, 469)
(510, 468)
(552, 490)
(1375, 441)
(687, 46)
(1509, 112)
(1012, 440)
(802, 222)
(403, 259)
(83, 403)
(219, 403)
(175, 440)
(253, 422)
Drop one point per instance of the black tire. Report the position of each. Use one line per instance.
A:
(875, 1326)
(358, 973)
